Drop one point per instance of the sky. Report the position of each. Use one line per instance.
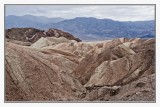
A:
(115, 12)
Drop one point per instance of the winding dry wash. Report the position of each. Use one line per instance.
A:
(53, 65)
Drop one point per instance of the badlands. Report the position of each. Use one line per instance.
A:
(53, 65)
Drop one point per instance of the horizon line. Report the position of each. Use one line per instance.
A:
(79, 17)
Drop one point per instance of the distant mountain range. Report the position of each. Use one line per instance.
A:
(29, 21)
(86, 28)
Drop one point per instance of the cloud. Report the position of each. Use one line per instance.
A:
(115, 12)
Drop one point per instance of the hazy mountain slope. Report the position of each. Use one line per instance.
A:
(105, 28)
(88, 28)
(29, 21)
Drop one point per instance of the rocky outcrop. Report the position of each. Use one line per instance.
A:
(125, 70)
(49, 41)
(59, 69)
(38, 76)
(142, 89)
(18, 42)
(111, 50)
(60, 33)
(21, 34)
(80, 49)
(32, 34)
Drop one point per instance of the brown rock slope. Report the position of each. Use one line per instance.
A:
(77, 48)
(113, 70)
(32, 34)
(111, 50)
(35, 75)
(49, 41)
(18, 42)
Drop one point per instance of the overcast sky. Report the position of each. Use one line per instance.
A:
(115, 12)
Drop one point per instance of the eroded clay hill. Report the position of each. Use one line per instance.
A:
(32, 35)
(54, 69)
